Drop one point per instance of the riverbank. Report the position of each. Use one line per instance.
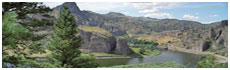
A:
(110, 57)
(136, 54)
(220, 59)
(149, 65)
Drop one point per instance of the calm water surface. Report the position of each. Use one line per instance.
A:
(165, 56)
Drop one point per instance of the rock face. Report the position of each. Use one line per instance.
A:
(71, 5)
(121, 47)
(96, 43)
(220, 34)
(203, 39)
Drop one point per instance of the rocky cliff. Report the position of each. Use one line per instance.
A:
(214, 39)
(95, 42)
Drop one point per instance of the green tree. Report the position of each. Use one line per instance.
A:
(11, 35)
(15, 51)
(27, 9)
(65, 42)
(24, 8)
(19, 42)
(154, 44)
(142, 50)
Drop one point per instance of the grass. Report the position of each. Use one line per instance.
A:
(150, 65)
(220, 50)
(147, 52)
(209, 61)
(135, 54)
(95, 30)
(101, 54)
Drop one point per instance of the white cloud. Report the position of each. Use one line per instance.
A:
(191, 17)
(126, 12)
(150, 5)
(152, 9)
(214, 15)
(149, 11)
(159, 15)
(95, 6)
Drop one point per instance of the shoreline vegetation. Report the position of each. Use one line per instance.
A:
(149, 65)
(134, 55)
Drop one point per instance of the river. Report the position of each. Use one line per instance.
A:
(165, 56)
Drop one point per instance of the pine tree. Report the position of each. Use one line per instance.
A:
(24, 8)
(12, 33)
(65, 42)
(14, 52)
(18, 41)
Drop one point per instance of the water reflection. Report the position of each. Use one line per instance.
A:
(166, 56)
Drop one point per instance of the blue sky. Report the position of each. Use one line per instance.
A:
(205, 12)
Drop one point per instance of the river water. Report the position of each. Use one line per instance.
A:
(165, 56)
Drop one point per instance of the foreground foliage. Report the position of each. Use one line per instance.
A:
(150, 65)
(19, 41)
(14, 36)
(209, 61)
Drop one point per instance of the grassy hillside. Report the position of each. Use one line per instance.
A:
(95, 30)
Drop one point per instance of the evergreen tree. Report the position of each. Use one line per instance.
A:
(19, 42)
(65, 42)
(11, 34)
(15, 53)
(24, 8)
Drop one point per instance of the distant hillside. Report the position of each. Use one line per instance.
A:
(170, 33)
(119, 24)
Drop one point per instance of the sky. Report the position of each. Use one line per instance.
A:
(204, 12)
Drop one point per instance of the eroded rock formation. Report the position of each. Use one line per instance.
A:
(97, 43)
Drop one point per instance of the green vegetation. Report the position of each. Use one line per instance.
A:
(136, 53)
(96, 30)
(169, 41)
(150, 65)
(141, 43)
(132, 40)
(146, 52)
(209, 61)
(24, 8)
(221, 47)
(141, 51)
(100, 54)
(17, 37)
(64, 44)
(219, 50)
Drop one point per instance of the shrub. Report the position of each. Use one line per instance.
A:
(141, 51)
